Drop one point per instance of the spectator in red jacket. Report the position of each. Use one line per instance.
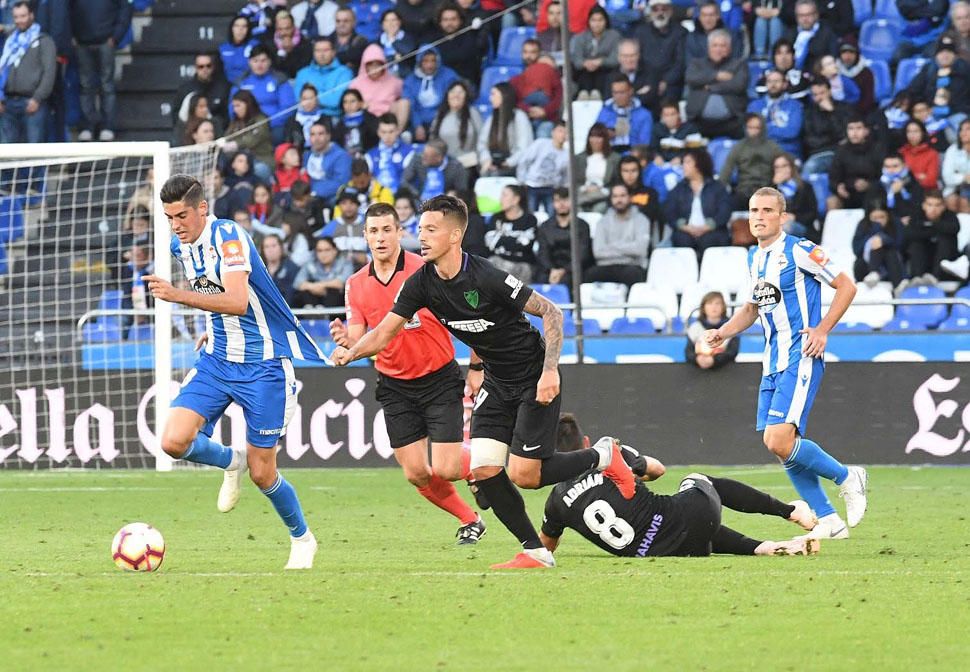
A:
(538, 89)
(922, 160)
(289, 167)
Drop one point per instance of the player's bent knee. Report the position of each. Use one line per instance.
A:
(174, 445)
(780, 439)
(525, 479)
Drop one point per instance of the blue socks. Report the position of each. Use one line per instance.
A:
(287, 505)
(206, 451)
(805, 464)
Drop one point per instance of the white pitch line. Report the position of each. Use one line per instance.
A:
(120, 488)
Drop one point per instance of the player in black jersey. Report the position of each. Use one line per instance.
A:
(685, 524)
(517, 405)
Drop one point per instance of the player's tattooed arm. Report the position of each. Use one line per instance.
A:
(551, 327)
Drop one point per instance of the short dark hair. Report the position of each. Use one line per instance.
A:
(534, 41)
(856, 117)
(669, 102)
(620, 78)
(569, 436)
(450, 207)
(933, 193)
(896, 156)
(325, 122)
(309, 87)
(382, 210)
(300, 189)
(560, 192)
(359, 167)
(328, 239)
(326, 38)
(181, 187)
(260, 50)
(387, 118)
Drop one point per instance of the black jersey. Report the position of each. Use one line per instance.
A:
(482, 308)
(646, 525)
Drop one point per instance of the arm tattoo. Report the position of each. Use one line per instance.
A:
(551, 327)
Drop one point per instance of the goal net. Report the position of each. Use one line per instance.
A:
(80, 354)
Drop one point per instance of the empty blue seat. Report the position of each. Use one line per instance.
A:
(535, 321)
(862, 10)
(11, 218)
(557, 293)
(878, 38)
(852, 326)
(492, 75)
(924, 316)
(141, 332)
(955, 324)
(719, 148)
(676, 325)
(590, 328)
(632, 326)
(960, 310)
(509, 51)
(820, 185)
(882, 80)
(897, 324)
(105, 331)
(906, 71)
(110, 300)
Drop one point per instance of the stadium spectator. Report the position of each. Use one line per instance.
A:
(209, 83)
(297, 131)
(783, 60)
(347, 228)
(711, 314)
(959, 30)
(946, 72)
(289, 167)
(857, 164)
(235, 51)
(219, 195)
(407, 212)
(768, 27)
(434, 173)
(425, 90)
(356, 131)
(934, 119)
(931, 238)
(98, 27)
(280, 267)
(473, 242)
(329, 77)
(28, 69)
(643, 81)
(197, 107)
(621, 242)
(368, 189)
(662, 54)
(240, 173)
(418, 18)
(538, 89)
(198, 132)
(249, 130)
(458, 124)
(824, 127)
(856, 68)
(593, 53)
(315, 18)
(259, 13)
(838, 15)
(653, 171)
(923, 24)
(596, 167)
(291, 51)
(645, 198)
(327, 164)
(708, 18)
(349, 43)
(877, 245)
(368, 14)
(542, 168)
(54, 17)
(670, 132)
(461, 51)
(391, 155)
(505, 134)
(554, 253)
(717, 88)
(956, 171)
(300, 200)
(511, 236)
(550, 37)
(752, 157)
(320, 281)
(699, 207)
(396, 43)
(897, 190)
(297, 241)
(628, 121)
(782, 115)
(844, 89)
(270, 88)
(921, 159)
(261, 205)
(381, 90)
(800, 201)
(579, 12)
(811, 39)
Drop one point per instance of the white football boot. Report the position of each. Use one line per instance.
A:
(829, 527)
(302, 550)
(803, 516)
(232, 481)
(853, 491)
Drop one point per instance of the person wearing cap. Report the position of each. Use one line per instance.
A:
(856, 67)
(663, 43)
(812, 39)
(948, 74)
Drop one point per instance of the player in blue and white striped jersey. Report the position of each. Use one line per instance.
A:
(786, 273)
(251, 337)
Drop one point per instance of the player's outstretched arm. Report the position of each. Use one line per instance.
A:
(372, 342)
(233, 301)
(816, 337)
(743, 318)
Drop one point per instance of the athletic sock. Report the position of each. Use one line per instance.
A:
(742, 497)
(810, 455)
(563, 466)
(726, 540)
(509, 508)
(442, 494)
(809, 488)
(466, 465)
(206, 451)
(287, 505)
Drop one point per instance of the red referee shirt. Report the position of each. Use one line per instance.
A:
(422, 346)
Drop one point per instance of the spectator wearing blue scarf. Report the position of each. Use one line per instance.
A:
(27, 72)
(783, 116)
(426, 88)
(811, 38)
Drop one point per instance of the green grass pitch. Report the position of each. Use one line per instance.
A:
(391, 592)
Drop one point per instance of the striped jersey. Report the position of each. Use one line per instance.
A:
(269, 329)
(785, 283)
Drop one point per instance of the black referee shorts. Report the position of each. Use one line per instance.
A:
(510, 414)
(426, 407)
(700, 505)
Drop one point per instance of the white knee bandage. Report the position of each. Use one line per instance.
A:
(489, 453)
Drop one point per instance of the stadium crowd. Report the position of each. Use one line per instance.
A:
(323, 108)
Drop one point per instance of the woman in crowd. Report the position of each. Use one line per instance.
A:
(594, 54)
(505, 134)
(356, 131)
(381, 90)
(800, 201)
(280, 267)
(396, 43)
(956, 171)
(922, 160)
(844, 89)
(878, 244)
(297, 130)
(407, 212)
(711, 315)
(512, 234)
(597, 167)
(699, 207)
(320, 281)
(234, 52)
(459, 125)
(261, 206)
(196, 112)
(249, 130)
(199, 132)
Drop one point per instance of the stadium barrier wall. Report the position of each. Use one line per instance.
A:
(899, 413)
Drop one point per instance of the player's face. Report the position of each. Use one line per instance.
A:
(383, 236)
(186, 222)
(437, 235)
(765, 218)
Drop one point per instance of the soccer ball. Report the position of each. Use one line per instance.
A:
(138, 547)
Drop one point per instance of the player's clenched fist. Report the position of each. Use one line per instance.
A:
(713, 338)
(338, 332)
(547, 388)
(341, 356)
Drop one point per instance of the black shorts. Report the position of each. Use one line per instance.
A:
(701, 507)
(511, 414)
(429, 406)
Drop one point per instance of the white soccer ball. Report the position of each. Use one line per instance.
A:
(138, 547)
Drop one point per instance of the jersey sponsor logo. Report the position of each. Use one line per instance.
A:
(232, 253)
(205, 286)
(587, 483)
(472, 326)
(471, 296)
(651, 534)
(766, 295)
(515, 284)
(818, 256)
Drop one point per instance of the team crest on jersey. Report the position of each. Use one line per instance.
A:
(232, 253)
(818, 256)
(471, 296)
(205, 286)
(766, 295)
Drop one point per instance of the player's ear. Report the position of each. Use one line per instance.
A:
(204, 207)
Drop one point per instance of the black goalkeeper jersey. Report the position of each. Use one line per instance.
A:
(646, 525)
(482, 308)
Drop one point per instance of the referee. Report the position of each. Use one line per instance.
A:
(517, 406)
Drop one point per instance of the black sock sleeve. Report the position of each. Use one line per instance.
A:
(727, 540)
(508, 506)
(741, 497)
(563, 466)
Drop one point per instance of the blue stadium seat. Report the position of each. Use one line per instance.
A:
(820, 185)
(955, 324)
(106, 331)
(862, 9)
(878, 38)
(509, 51)
(906, 71)
(897, 324)
(141, 332)
(319, 330)
(854, 326)
(676, 325)
(492, 75)
(632, 326)
(110, 300)
(535, 321)
(11, 218)
(3, 259)
(590, 328)
(925, 317)
(887, 9)
(557, 293)
(960, 310)
(882, 80)
(719, 148)
(755, 70)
